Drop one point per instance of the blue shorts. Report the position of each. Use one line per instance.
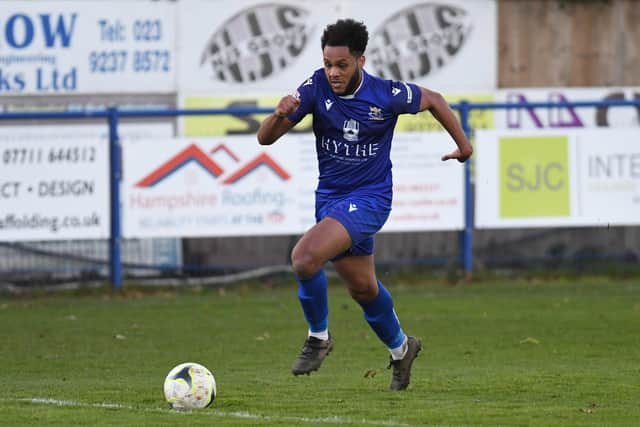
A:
(362, 216)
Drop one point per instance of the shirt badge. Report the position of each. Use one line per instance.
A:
(375, 113)
(350, 129)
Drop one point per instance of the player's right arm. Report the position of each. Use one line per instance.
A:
(278, 123)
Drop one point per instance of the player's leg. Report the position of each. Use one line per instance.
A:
(318, 245)
(377, 304)
(359, 274)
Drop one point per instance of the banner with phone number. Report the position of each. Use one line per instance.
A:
(69, 47)
(53, 187)
(54, 180)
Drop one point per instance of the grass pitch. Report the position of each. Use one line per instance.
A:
(562, 353)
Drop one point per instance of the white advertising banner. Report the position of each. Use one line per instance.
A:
(447, 46)
(566, 117)
(428, 194)
(54, 180)
(69, 47)
(231, 186)
(228, 186)
(587, 177)
(53, 185)
(245, 46)
(250, 46)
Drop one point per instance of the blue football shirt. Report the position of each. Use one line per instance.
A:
(354, 132)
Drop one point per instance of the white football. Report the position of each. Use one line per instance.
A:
(190, 386)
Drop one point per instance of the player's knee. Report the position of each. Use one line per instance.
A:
(304, 264)
(363, 294)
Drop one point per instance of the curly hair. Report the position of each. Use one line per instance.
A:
(346, 32)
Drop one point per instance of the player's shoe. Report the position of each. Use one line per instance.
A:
(402, 367)
(313, 353)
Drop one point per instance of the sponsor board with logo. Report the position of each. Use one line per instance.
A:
(231, 186)
(54, 180)
(218, 187)
(244, 54)
(232, 48)
(435, 44)
(240, 46)
(566, 117)
(585, 177)
(69, 47)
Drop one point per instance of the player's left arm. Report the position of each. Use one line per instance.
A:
(439, 108)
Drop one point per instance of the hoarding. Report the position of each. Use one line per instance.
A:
(71, 47)
(231, 186)
(588, 177)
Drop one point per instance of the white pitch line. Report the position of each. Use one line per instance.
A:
(210, 412)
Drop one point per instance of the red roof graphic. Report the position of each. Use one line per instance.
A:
(223, 147)
(261, 160)
(191, 153)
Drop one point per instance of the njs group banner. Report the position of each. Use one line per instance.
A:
(566, 117)
(69, 47)
(587, 177)
(249, 54)
(232, 186)
(259, 47)
(247, 45)
(448, 46)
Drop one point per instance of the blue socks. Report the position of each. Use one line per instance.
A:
(312, 293)
(381, 316)
(379, 312)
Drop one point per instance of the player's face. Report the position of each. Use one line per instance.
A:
(343, 70)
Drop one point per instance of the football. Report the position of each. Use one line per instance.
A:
(190, 386)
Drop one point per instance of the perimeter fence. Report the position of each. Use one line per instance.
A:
(177, 260)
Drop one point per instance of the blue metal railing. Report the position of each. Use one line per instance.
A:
(113, 116)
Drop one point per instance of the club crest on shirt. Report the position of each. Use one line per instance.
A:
(375, 113)
(350, 130)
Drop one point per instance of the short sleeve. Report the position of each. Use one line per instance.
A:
(305, 93)
(405, 97)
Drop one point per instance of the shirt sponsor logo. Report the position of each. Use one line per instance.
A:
(351, 152)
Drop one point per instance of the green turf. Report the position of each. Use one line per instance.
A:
(509, 354)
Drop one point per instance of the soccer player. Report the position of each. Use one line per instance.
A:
(354, 115)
